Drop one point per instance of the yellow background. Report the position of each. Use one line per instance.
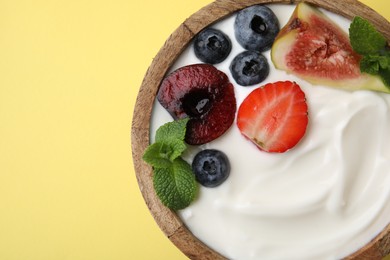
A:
(70, 71)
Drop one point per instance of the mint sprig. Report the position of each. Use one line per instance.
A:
(372, 45)
(173, 179)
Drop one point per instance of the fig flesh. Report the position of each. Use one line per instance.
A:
(314, 48)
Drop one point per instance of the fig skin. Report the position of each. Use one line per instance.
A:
(314, 48)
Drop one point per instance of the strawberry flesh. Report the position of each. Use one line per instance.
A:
(274, 116)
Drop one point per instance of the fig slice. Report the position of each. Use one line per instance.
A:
(314, 48)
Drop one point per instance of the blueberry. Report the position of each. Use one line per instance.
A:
(212, 46)
(249, 68)
(211, 167)
(256, 27)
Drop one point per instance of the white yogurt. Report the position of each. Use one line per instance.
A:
(324, 199)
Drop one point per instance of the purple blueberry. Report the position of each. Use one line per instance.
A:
(212, 46)
(211, 167)
(256, 27)
(249, 68)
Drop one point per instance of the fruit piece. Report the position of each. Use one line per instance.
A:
(249, 68)
(256, 27)
(205, 95)
(211, 167)
(212, 46)
(314, 48)
(274, 116)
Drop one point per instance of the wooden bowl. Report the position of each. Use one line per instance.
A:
(167, 220)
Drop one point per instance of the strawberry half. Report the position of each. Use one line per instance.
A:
(274, 116)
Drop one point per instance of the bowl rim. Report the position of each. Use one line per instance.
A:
(167, 220)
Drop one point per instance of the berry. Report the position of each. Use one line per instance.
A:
(256, 27)
(212, 46)
(274, 116)
(249, 68)
(211, 167)
(205, 95)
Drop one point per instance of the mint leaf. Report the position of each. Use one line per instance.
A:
(172, 134)
(365, 39)
(385, 75)
(175, 130)
(384, 61)
(158, 155)
(169, 144)
(373, 63)
(161, 155)
(370, 64)
(178, 147)
(175, 186)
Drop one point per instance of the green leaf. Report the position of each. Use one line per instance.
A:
(158, 155)
(385, 75)
(175, 186)
(369, 65)
(384, 61)
(174, 130)
(377, 65)
(365, 39)
(169, 144)
(178, 147)
(161, 155)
